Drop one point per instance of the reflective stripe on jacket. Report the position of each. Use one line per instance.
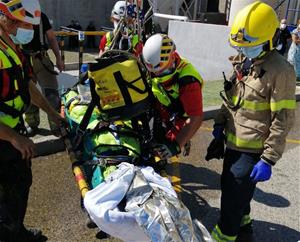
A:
(15, 101)
(177, 79)
(267, 107)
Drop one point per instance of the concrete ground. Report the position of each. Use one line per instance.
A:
(54, 203)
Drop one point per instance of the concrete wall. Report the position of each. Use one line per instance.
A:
(62, 12)
(205, 45)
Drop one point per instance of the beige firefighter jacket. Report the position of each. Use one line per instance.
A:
(266, 112)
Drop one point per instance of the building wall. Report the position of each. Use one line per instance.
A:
(62, 12)
(205, 45)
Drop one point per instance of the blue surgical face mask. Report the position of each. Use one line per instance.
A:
(252, 52)
(23, 36)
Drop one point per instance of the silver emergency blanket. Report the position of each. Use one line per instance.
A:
(138, 205)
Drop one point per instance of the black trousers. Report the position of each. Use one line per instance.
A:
(15, 182)
(237, 189)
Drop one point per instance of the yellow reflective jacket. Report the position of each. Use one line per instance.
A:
(267, 107)
(184, 73)
(12, 100)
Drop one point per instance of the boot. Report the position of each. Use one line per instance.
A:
(30, 235)
(246, 234)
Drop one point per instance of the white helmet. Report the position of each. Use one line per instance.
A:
(157, 52)
(28, 11)
(119, 10)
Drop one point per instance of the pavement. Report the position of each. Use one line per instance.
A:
(54, 203)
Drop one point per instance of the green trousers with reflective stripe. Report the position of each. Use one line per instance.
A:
(237, 192)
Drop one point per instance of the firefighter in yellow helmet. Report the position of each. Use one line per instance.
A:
(176, 85)
(16, 89)
(257, 113)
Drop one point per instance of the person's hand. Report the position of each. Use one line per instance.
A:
(262, 171)
(57, 118)
(24, 145)
(60, 65)
(167, 150)
(218, 132)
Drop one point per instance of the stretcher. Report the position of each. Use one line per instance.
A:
(119, 178)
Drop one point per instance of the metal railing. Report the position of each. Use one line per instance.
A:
(67, 32)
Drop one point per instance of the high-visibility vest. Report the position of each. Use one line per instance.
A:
(109, 36)
(177, 79)
(14, 94)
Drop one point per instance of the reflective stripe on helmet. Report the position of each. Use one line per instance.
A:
(157, 52)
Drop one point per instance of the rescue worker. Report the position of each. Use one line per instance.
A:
(43, 72)
(256, 116)
(16, 89)
(176, 85)
(125, 39)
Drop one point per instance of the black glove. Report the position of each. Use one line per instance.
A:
(215, 149)
(167, 150)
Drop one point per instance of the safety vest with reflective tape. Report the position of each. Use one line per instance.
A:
(168, 96)
(110, 35)
(12, 101)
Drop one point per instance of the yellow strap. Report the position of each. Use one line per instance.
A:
(242, 143)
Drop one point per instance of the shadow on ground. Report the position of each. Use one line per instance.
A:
(270, 199)
(265, 231)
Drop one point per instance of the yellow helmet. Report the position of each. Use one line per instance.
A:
(254, 25)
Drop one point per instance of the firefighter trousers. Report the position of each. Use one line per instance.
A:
(237, 190)
(15, 182)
